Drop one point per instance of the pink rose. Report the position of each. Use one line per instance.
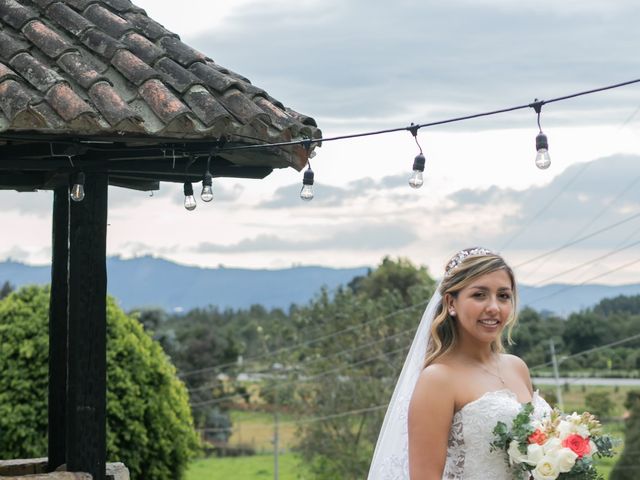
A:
(538, 437)
(578, 444)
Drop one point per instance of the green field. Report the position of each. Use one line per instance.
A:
(245, 468)
(256, 429)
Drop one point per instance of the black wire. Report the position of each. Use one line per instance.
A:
(536, 105)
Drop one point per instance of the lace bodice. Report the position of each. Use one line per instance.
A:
(468, 455)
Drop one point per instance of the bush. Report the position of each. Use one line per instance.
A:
(627, 467)
(149, 424)
(599, 404)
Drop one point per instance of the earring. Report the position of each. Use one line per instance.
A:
(452, 313)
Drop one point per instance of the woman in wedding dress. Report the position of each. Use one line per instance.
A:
(457, 382)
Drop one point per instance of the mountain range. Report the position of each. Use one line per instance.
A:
(155, 282)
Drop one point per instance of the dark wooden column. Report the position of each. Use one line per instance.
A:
(58, 305)
(87, 377)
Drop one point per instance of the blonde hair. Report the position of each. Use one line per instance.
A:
(443, 334)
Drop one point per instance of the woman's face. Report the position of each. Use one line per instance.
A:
(483, 307)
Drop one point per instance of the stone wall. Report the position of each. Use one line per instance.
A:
(35, 469)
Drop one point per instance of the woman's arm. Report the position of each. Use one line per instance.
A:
(430, 415)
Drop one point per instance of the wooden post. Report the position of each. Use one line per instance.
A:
(87, 356)
(58, 304)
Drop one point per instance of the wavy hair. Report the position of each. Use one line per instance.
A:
(443, 335)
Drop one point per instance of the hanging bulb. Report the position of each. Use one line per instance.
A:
(416, 180)
(207, 189)
(543, 160)
(189, 199)
(77, 191)
(307, 185)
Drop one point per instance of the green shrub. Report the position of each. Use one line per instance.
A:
(149, 424)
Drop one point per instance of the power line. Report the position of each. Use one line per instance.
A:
(311, 377)
(590, 350)
(323, 358)
(602, 211)
(578, 240)
(590, 262)
(569, 287)
(303, 343)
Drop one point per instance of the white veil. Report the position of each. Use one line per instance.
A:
(391, 456)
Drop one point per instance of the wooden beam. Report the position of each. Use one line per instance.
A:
(87, 359)
(58, 329)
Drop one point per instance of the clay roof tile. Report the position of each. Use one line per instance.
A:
(16, 14)
(46, 39)
(109, 22)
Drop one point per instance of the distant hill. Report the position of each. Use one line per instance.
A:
(155, 282)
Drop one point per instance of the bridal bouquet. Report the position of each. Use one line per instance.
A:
(556, 446)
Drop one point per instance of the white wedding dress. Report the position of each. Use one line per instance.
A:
(468, 453)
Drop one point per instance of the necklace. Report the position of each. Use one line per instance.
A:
(497, 375)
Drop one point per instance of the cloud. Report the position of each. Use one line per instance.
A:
(333, 196)
(38, 203)
(583, 199)
(368, 237)
(431, 60)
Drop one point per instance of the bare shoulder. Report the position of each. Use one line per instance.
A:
(519, 366)
(434, 385)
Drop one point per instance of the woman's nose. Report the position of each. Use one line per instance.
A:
(493, 306)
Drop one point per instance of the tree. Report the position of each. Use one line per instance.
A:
(6, 290)
(628, 467)
(353, 371)
(149, 424)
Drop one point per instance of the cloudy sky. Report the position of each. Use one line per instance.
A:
(357, 66)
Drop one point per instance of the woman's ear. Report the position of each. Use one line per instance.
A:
(448, 303)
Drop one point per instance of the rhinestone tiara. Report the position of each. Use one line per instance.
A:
(459, 257)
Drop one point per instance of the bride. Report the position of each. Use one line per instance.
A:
(457, 382)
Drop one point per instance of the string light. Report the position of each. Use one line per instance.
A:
(189, 199)
(207, 182)
(416, 180)
(77, 191)
(543, 160)
(307, 184)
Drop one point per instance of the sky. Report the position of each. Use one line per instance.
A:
(358, 66)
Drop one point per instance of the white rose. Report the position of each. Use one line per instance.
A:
(565, 459)
(552, 445)
(535, 453)
(582, 430)
(515, 455)
(565, 429)
(546, 469)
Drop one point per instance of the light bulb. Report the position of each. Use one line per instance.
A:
(307, 192)
(77, 191)
(543, 160)
(189, 199)
(307, 185)
(416, 180)
(207, 189)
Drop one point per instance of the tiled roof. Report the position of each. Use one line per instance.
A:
(103, 68)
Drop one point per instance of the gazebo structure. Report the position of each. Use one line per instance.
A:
(95, 93)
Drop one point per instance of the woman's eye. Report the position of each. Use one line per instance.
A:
(505, 296)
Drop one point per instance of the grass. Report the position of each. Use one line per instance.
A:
(256, 429)
(245, 468)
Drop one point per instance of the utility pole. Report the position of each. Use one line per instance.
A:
(276, 424)
(556, 374)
